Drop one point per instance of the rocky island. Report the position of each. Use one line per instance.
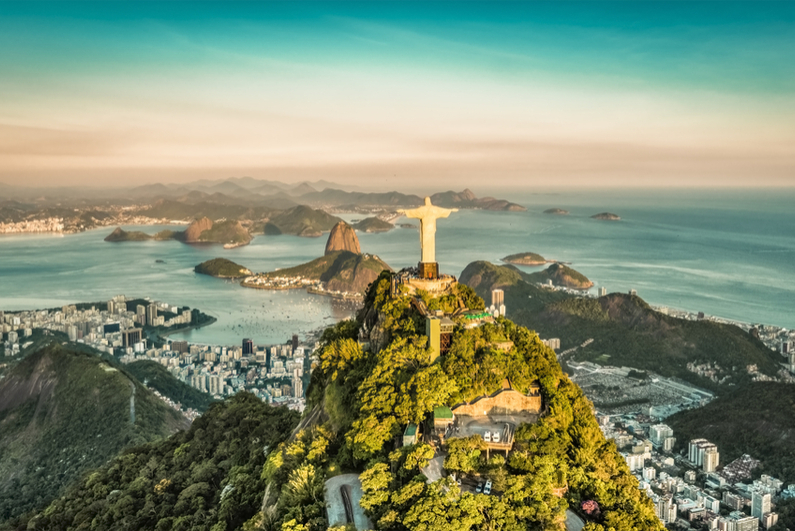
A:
(222, 268)
(527, 259)
(608, 216)
(556, 211)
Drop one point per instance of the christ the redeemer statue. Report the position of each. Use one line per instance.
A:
(428, 214)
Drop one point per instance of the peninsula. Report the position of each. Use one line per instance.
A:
(342, 272)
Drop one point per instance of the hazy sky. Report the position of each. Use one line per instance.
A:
(554, 93)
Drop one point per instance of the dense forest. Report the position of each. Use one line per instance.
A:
(742, 421)
(157, 377)
(63, 411)
(205, 478)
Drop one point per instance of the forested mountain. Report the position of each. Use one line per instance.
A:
(624, 329)
(205, 478)
(63, 412)
(361, 399)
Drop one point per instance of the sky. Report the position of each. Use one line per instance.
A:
(626, 94)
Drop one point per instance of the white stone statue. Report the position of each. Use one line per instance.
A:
(428, 215)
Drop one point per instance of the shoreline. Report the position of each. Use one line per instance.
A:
(164, 335)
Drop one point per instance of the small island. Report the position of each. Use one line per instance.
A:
(526, 259)
(556, 211)
(222, 268)
(608, 216)
(373, 225)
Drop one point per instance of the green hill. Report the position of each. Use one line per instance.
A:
(373, 225)
(229, 231)
(206, 478)
(525, 259)
(757, 419)
(63, 412)
(361, 400)
(625, 330)
(301, 221)
(222, 268)
(560, 275)
(157, 377)
(121, 235)
(340, 270)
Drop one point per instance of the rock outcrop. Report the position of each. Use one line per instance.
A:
(342, 238)
(196, 228)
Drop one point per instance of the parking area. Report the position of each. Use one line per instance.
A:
(497, 432)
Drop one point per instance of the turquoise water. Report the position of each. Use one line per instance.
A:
(729, 253)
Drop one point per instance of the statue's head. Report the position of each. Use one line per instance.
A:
(427, 201)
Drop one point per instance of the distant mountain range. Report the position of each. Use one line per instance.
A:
(244, 193)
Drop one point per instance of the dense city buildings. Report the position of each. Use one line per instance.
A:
(276, 373)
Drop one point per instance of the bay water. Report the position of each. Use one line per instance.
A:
(729, 253)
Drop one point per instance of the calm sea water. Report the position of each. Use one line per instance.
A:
(726, 253)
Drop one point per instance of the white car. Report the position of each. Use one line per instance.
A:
(487, 488)
(487, 436)
(495, 437)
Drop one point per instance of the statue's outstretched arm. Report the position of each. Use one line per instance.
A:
(410, 213)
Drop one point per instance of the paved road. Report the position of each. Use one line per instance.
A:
(336, 505)
(573, 521)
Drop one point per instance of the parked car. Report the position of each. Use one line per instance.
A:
(487, 488)
(479, 488)
(487, 436)
(495, 437)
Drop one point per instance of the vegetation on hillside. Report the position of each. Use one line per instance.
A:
(301, 221)
(340, 270)
(625, 330)
(743, 421)
(64, 411)
(227, 231)
(373, 225)
(560, 275)
(121, 235)
(527, 258)
(369, 396)
(221, 268)
(206, 478)
(157, 377)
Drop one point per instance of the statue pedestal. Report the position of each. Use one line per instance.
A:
(428, 270)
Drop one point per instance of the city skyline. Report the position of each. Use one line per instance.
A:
(593, 94)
